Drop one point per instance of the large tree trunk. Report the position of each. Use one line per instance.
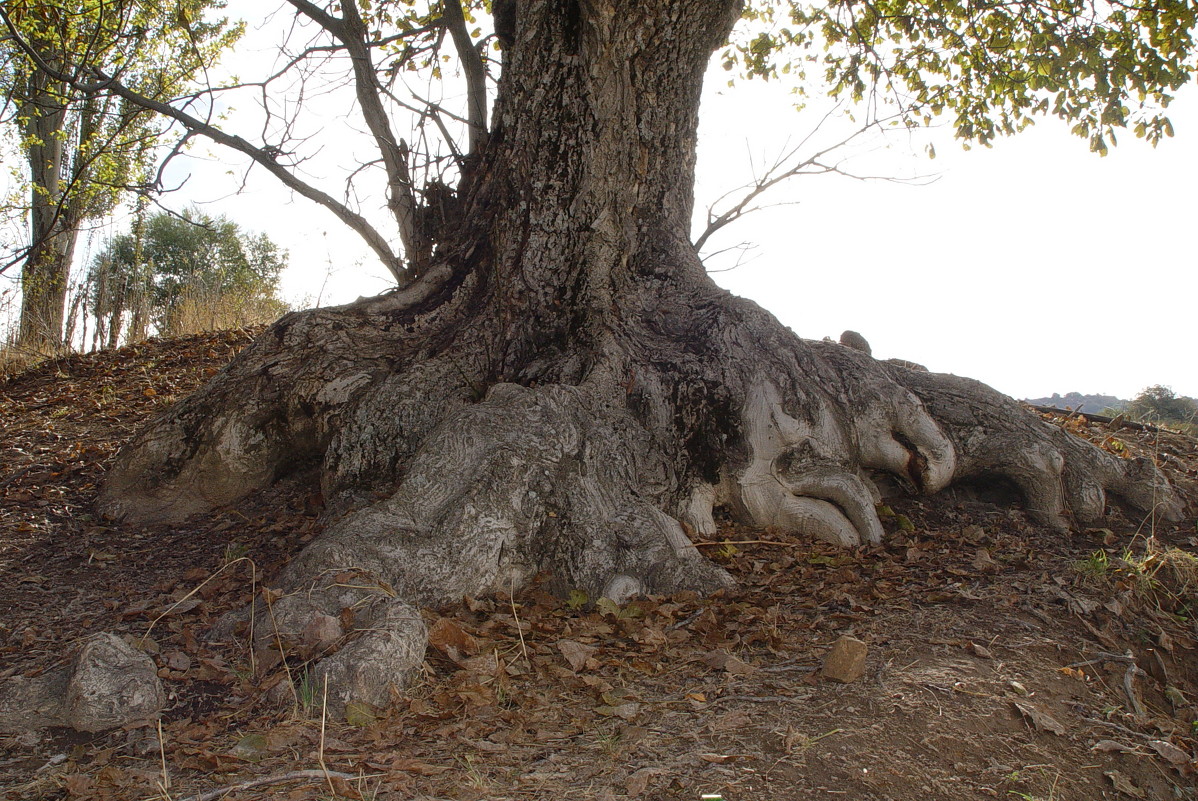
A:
(565, 391)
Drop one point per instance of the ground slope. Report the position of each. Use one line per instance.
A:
(1004, 661)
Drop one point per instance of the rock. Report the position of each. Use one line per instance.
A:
(111, 684)
(108, 684)
(846, 661)
(319, 635)
(29, 704)
(851, 339)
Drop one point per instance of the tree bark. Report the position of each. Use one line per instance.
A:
(565, 391)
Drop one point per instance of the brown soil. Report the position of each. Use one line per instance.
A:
(1004, 661)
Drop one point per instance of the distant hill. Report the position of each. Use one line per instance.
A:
(1087, 404)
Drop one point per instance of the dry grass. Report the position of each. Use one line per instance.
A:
(14, 360)
(203, 310)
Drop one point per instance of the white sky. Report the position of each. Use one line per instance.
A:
(1034, 266)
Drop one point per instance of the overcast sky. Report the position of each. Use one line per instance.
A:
(1034, 266)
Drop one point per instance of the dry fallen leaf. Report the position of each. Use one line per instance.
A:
(1041, 719)
(1169, 751)
(1124, 784)
(449, 638)
(638, 782)
(575, 653)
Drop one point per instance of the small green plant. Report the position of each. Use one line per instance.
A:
(306, 692)
(1095, 566)
(1052, 790)
(474, 776)
(611, 742)
(235, 550)
(577, 600)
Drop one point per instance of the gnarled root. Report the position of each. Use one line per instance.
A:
(591, 470)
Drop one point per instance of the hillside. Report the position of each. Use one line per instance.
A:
(1003, 660)
(1077, 402)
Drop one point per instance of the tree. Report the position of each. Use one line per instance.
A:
(178, 266)
(1159, 404)
(84, 146)
(556, 387)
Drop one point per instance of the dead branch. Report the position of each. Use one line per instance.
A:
(291, 776)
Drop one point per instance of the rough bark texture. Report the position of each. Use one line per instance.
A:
(565, 391)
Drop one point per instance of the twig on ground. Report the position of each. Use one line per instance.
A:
(324, 708)
(515, 616)
(752, 542)
(1108, 724)
(1129, 678)
(686, 621)
(291, 776)
(758, 699)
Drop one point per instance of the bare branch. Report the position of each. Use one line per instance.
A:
(787, 165)
(352, 32)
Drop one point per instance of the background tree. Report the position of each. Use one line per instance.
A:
(184, 273)
(1159, 404)
(557, 387)
(83, 146)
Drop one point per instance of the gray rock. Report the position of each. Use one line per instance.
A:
(108, 684)
(111, 684)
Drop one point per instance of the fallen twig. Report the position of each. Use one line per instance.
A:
(752, 542)
(1129, 678)
(758, 699)
(295, 775)
(1108, 724)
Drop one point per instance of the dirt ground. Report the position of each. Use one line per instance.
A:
(1003, 661)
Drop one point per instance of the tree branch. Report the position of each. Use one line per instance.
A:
(106, 83)
(352, 32)
(476, 73)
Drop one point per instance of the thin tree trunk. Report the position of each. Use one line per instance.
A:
(53, 220)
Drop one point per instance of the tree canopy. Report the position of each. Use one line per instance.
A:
(990, 66)
(1160, 404)
(83, 146)
(421, 75)
(171, 271)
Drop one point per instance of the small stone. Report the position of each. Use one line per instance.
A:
(980, 651)
(320, 633)
(251, 748)
(846, 661)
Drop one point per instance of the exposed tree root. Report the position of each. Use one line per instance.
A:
(593, 475)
